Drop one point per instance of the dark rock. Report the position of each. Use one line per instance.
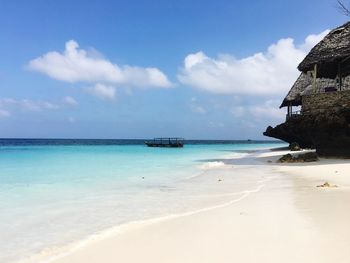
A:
(329, 132)
(291, 131)
(308, 157)
(294, 146)
(288, 158)
(301, 158)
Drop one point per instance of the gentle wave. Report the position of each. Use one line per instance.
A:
(54, 253)
(211, 165)
(84, 189)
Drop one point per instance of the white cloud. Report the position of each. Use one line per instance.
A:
(71, 120)
(216, 124)
(268, 110)
(238, 111)
(312, 40)
(10, 104)
(198, 109)
(70, 101)
(28, 105)
(49, 105)
(195, 107)
(4, 113)
(103, 91)
(78, 65)
(269, 73)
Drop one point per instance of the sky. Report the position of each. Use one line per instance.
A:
(141, 69)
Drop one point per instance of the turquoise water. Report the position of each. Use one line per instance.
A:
(52, 195)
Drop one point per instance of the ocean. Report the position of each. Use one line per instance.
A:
(58, 192)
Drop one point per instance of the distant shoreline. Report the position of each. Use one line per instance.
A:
(60, 141)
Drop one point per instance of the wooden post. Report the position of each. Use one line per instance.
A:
(314, 86)
(289, 110)
(340, 77)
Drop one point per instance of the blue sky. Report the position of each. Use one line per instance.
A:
(138, 69)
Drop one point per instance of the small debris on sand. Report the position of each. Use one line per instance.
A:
(269, 161)
(219, 180)
(326, 184)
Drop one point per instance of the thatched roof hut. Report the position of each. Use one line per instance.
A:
(293, 97)
(303, 86)
(331, 55)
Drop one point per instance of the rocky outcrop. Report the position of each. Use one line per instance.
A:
(329, 132)
(301, 158)
(324, 124)
(293, 130)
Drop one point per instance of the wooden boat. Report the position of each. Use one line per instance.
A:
(166, 142)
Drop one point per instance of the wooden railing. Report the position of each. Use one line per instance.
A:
(293, 115)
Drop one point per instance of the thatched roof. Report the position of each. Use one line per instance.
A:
(328, 53)
(293, 95)
(303, 86)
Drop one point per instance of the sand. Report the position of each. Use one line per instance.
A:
(286, 219)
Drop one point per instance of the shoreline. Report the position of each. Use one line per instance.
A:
(137, 233)
(120, 229)
(49, 207)
(51, 254)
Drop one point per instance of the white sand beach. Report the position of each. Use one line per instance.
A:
(285, 219)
